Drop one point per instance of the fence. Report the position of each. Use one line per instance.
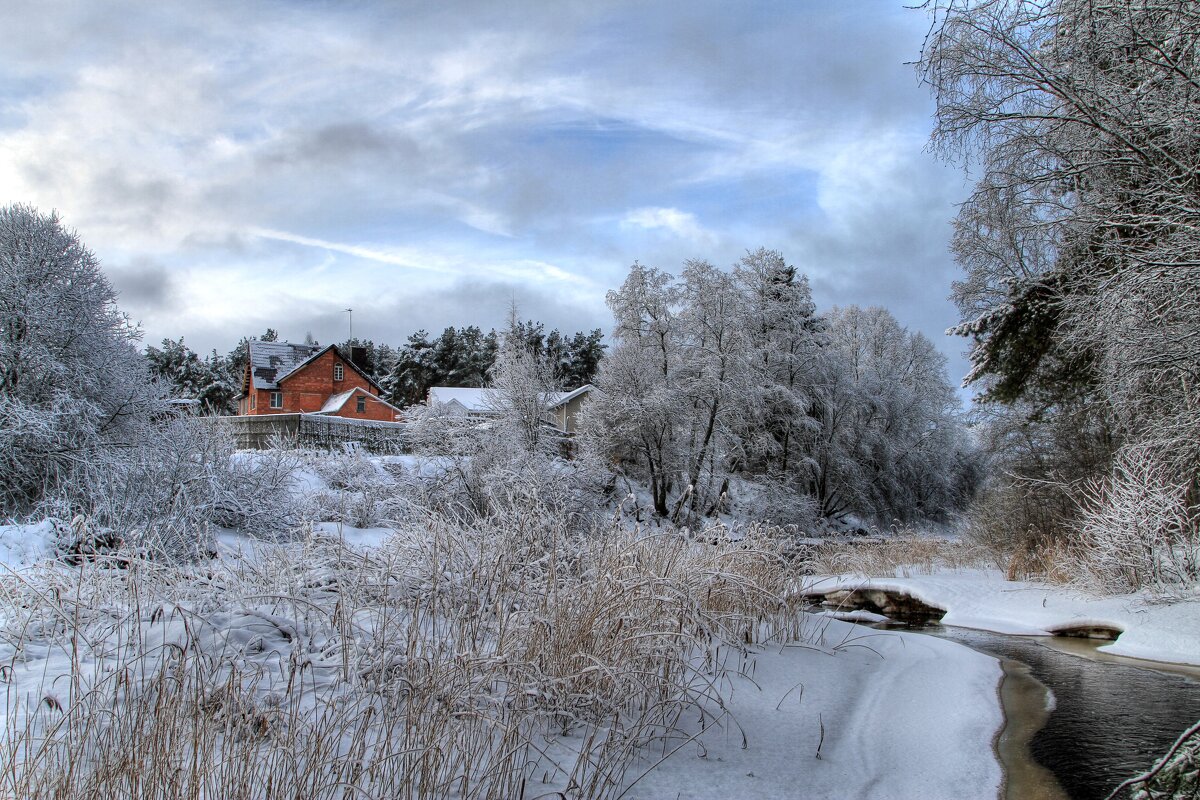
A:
(315, 430)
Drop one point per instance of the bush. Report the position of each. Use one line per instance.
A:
(72, 385)
(166, 491)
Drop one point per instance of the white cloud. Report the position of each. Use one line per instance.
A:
(679, 223)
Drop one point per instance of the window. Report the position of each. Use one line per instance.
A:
(362, 404)
(253, 401)
(276, 399)
(338, 372)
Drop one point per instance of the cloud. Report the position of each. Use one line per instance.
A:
(280, 155)
(144, 284)
(679, 223)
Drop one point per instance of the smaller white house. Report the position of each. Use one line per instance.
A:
(562, 408)
(468, 401)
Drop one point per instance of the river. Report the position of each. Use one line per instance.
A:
(1110, 718)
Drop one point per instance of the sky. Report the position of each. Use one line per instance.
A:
(240, 166)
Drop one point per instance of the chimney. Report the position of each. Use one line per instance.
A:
(358, 357)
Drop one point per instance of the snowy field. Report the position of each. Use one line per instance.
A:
(639, 665)
(531, 659)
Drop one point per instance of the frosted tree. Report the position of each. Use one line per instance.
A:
(71, 379)
(1081, 242)
(521, 382)
(713, 384)
(785, 339)
(633, 419)
(889, 444)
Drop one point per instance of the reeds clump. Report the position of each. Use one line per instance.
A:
(495, 658)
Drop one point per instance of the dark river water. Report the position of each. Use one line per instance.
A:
(1111, 720)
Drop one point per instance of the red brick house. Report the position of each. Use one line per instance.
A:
(285, 378)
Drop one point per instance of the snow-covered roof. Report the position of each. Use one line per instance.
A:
(556, 399)
(336, 401)
(271, 362)
(471, 399)
(482, 401)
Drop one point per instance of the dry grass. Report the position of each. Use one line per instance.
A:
(502, 660)
(903, 554)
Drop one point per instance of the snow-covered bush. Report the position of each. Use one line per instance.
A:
(167, 489)
(71, 382)
(775, 502)
(1140, 527)
(360, 491)
(484, 469)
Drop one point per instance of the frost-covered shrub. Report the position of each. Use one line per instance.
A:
(1139, 530)
(483, 469)
(350, 470)
(71, 383)
(777, 503)
(358, 490)
(173, 484)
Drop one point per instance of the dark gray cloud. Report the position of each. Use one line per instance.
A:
(144, 285)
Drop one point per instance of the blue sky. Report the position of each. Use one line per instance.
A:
(239, 166)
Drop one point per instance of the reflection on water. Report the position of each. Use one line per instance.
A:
(1111, 720)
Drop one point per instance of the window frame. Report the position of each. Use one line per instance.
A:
(360, 404)
(254, 401)
(277, 400)
(339, 372)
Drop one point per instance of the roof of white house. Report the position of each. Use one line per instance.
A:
(469, 398)
(483, 401)
(556, 399)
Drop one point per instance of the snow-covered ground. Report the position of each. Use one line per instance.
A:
(849, 712)
(983, 599)
(888, 715)
(846, 712)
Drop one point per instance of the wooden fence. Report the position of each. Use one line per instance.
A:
(264, 431)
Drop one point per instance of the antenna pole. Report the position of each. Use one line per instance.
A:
(350, 321)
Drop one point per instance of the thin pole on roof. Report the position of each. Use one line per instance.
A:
(350, 322)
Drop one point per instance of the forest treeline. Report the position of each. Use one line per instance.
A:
(457, 357)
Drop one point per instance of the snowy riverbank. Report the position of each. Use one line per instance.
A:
(1150, 628)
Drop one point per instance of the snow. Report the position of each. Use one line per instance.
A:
(850, 712)
(983, 599)
(903, 715)
(359, 538)
(25, 545)
(337, 401)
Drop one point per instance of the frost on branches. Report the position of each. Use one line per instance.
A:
(1081, 248)
(71, 382)
(717, 375)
